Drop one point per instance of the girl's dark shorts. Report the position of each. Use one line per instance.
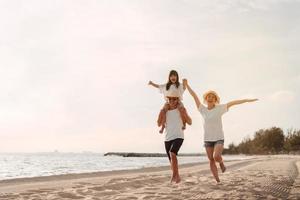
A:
(173, 146)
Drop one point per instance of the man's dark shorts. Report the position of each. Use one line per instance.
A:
(173, 146)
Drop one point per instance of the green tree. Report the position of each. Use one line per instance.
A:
(274, 139)
(245, 146)
(292, 140)
(232, 149)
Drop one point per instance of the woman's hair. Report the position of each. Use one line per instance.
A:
(173, 72)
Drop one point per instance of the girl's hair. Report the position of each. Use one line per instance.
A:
(173, 73)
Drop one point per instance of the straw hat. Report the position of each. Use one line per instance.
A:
(211, 92)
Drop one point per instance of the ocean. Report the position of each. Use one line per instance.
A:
(23, 165)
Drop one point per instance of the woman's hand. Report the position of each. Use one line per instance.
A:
(252, 100)
(237, 102)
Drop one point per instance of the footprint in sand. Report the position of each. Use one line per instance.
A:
(69, 195)
(83, 191)
(117, 180)
(190, 182)
(145, 193)
(98, 188)
(7, 196)
(26, 193)
(150, 197)
(83, 183)
(125, 198)
(40, 191)
(151, 188)
(108, 193)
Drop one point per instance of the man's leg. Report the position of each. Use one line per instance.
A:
(174, 162)
(218, 156)
(168, 145)
(212, 163)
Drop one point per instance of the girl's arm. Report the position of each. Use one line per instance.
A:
(183, 85)
(153, 84)
(237, 102)
(194, 95)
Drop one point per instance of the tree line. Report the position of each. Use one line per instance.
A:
(268, 141)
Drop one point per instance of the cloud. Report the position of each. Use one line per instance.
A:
(283, 96)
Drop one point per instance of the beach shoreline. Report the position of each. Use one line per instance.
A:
(250, 178)
(42, 165)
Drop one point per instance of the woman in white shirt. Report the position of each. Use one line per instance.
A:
(213, 130)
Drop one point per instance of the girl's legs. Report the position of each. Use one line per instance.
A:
(184, 115)
(218, 156)
(161, 121)
(212, 163)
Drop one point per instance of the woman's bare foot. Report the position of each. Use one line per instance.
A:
(172, 179)
(177, 180)
(222, 166)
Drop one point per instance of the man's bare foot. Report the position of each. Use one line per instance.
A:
(222, 166)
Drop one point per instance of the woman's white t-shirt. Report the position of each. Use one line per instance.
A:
(213, 128)
(173, 125)
(173, 89)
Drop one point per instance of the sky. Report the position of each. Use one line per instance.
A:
(74, 73)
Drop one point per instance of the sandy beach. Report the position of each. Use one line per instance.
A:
(264, 177)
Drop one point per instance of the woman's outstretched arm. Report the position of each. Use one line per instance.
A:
(194, 95)
(237, 102)
(153, 84)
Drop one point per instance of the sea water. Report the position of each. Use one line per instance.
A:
(21, 165)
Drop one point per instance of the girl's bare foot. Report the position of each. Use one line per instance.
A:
(162, 129)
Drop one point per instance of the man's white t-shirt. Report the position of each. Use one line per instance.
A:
(213, 128)
(173, 125)
(173, 89)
